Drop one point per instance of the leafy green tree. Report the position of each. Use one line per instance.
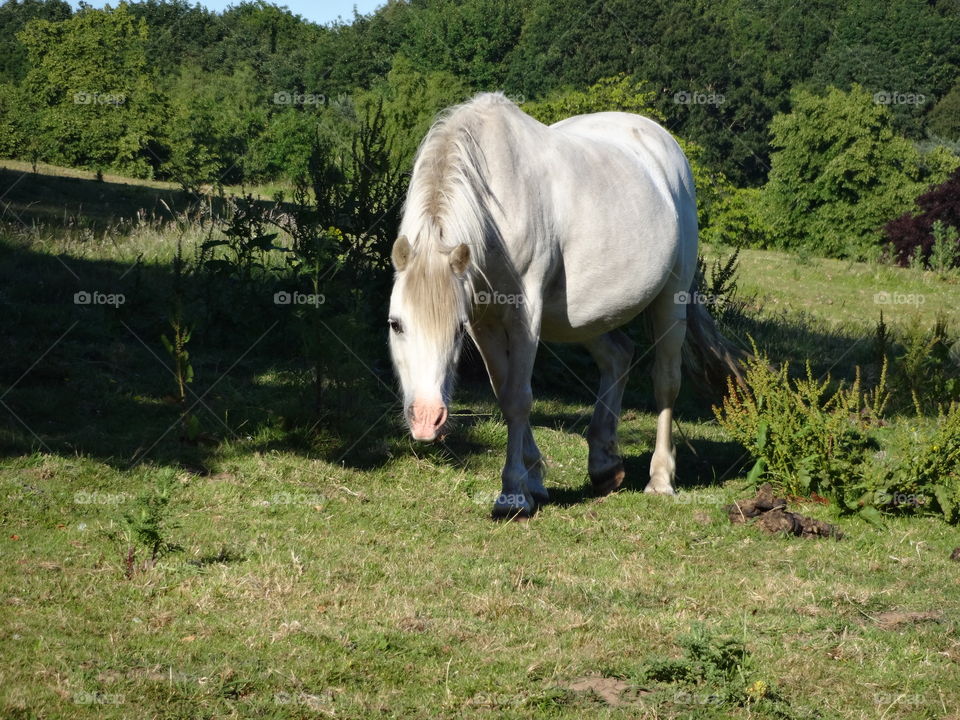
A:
(283, 150)
(92, 92)
(574, 43)
(840, 172)
(737, 220)
(213, 120)
(944, 120)
(411, 100)
(468, 39)
(906, 50)
(10, 119)
(179, 33)
(621, 93)
(14, 15)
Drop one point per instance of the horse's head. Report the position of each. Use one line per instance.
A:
(428, 317)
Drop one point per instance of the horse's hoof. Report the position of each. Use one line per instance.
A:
(513, 507)
(540, 496)
(607, 481)
(659, 489)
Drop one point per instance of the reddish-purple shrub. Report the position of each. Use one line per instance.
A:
(910, 233)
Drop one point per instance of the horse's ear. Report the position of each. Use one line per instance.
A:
(401, 253)
(460, 258)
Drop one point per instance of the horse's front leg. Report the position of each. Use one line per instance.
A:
(509, 352)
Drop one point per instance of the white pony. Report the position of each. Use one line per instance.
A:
(515, 232)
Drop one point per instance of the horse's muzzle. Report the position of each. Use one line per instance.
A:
(426, 420)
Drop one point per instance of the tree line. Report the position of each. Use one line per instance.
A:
(769, 97)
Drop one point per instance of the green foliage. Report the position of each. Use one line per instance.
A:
(737, 219)
(241, 252)
(945, 251)
(623, 93)
(715, 674)
(283, 149)
(719, 286)
(707, 659)
(213, 117)
(919, 471)
(10, 140)
(807, 438)
(91, 91)
(468, 40)
(14, 15)
(410, 100)
(146, 525)
(360, 193)
(925, 373)
(811, 438)
(944, 120)
(840, 171)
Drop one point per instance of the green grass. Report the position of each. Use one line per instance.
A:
(846, 294)
(326, 566)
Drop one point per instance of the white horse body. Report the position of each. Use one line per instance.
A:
(517, 232)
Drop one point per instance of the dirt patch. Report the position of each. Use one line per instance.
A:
(613, 691)
(772, 516)
(893, 619)
(955, 555)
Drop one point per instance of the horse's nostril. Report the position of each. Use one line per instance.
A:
(441, 417)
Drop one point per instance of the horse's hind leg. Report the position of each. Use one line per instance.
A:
(669, 321)
(612, 352)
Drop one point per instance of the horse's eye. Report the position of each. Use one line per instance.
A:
(395, 326)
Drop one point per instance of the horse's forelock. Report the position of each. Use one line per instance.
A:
(434, 299)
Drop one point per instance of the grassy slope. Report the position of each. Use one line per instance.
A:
(316, 581)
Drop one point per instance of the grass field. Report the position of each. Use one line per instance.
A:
(329, 567)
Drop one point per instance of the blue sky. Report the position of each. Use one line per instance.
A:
(322, 12)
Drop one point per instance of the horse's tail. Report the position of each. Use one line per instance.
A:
(708, 357)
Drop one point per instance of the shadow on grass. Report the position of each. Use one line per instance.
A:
(95, 380)
(713, 463)
(69, 204)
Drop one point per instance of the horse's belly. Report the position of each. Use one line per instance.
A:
(601, 296)
(566, 319)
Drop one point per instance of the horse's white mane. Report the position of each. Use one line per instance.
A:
(449, 201)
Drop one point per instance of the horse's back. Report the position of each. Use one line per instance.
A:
(658, 155)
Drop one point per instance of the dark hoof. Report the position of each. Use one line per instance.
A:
(513, 507)
(540, 497)
(607, 481)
